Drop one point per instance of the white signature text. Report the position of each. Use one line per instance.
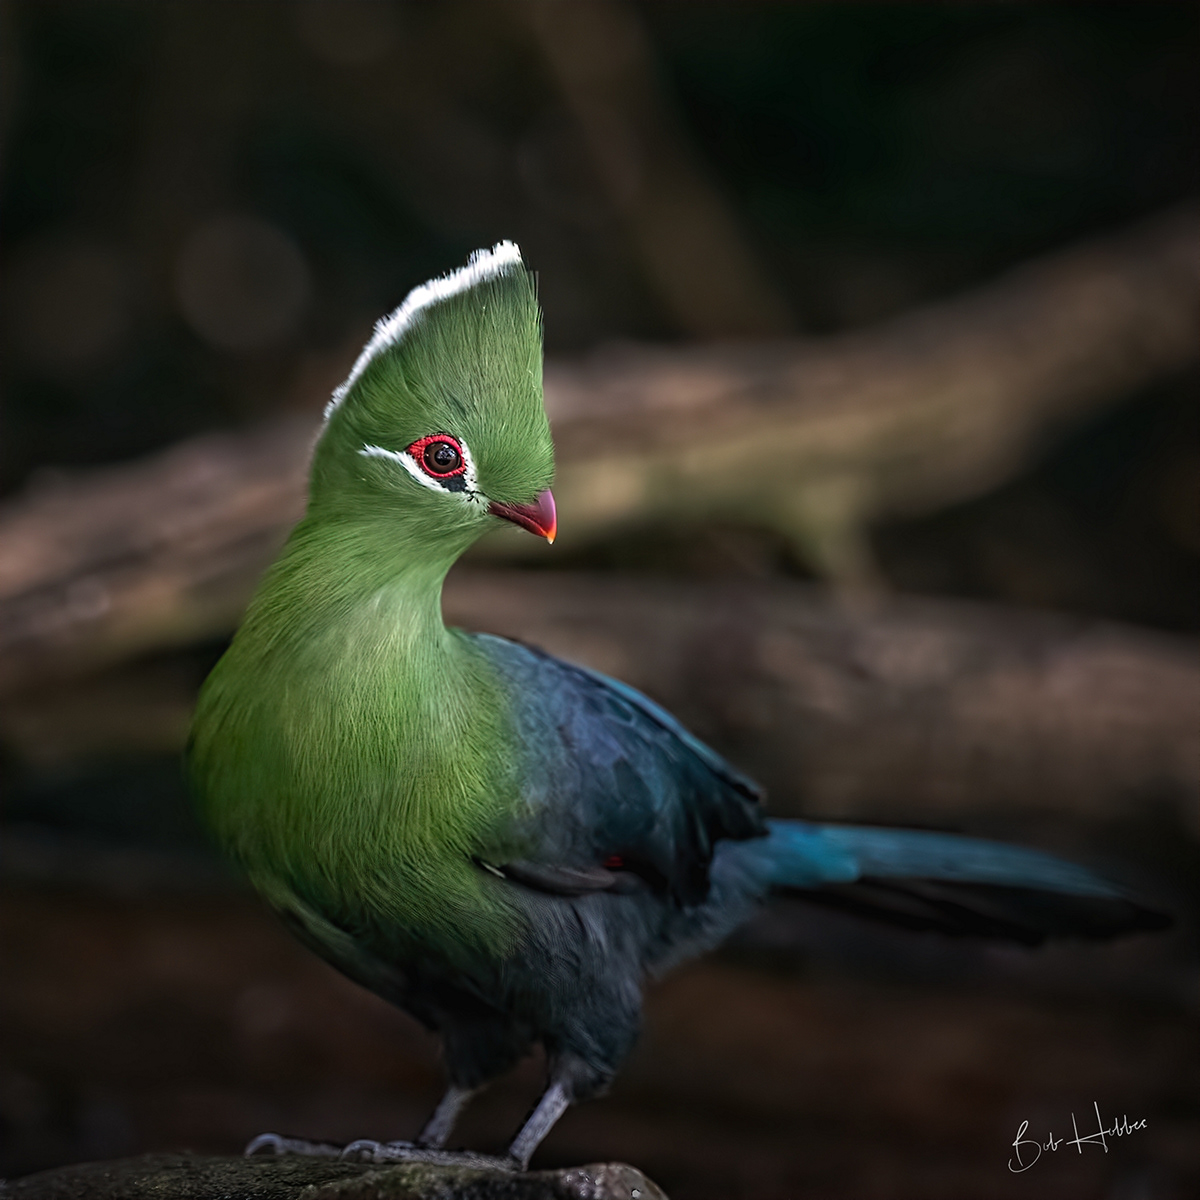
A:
(1029, 1150)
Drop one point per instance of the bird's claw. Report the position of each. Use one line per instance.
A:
(369, 1150)
(279, 1145)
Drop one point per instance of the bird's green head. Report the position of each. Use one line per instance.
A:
(440, 427)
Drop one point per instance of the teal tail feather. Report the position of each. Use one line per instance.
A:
(949, 883)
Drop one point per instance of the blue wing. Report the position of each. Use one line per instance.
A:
(610, 777)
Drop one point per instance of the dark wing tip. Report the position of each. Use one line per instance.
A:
(1026, 915)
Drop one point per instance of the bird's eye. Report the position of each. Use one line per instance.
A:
(442, 458)
(440, 455)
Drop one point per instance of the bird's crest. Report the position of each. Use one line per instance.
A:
(455, 371)
(389, 330)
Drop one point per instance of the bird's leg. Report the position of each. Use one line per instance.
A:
(550, 1107)
(445, 1116)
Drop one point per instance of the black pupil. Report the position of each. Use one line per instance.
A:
(442, 457)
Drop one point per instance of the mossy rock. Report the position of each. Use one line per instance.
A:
(192, 1177)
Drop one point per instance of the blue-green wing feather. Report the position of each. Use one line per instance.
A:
(606, 772)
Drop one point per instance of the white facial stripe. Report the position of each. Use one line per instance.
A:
(483, 264)
(409, 463)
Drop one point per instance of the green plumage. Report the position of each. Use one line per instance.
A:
(348, 750)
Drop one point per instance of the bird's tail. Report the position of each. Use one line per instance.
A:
(958, 885)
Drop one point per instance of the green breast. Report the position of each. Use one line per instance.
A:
(360, 759)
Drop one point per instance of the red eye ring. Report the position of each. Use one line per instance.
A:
(426, 452)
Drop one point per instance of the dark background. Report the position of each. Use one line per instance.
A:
(205, 206)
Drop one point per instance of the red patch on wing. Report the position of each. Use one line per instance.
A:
(614, 862)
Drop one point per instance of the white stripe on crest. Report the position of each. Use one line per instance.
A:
(483, 264)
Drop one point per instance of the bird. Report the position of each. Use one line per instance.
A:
(504, 844)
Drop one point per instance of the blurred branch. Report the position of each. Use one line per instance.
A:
(816, 437)
(914, 710)
(97, 568)
(687, 239)
(820, 437)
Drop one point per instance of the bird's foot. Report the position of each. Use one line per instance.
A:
(366, 1150)
(277, 1144)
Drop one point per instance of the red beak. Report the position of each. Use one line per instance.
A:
(538, 517)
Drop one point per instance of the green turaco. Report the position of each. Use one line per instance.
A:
(503, 844)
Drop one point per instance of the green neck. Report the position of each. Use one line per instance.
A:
(331, 569)
(373, 750)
